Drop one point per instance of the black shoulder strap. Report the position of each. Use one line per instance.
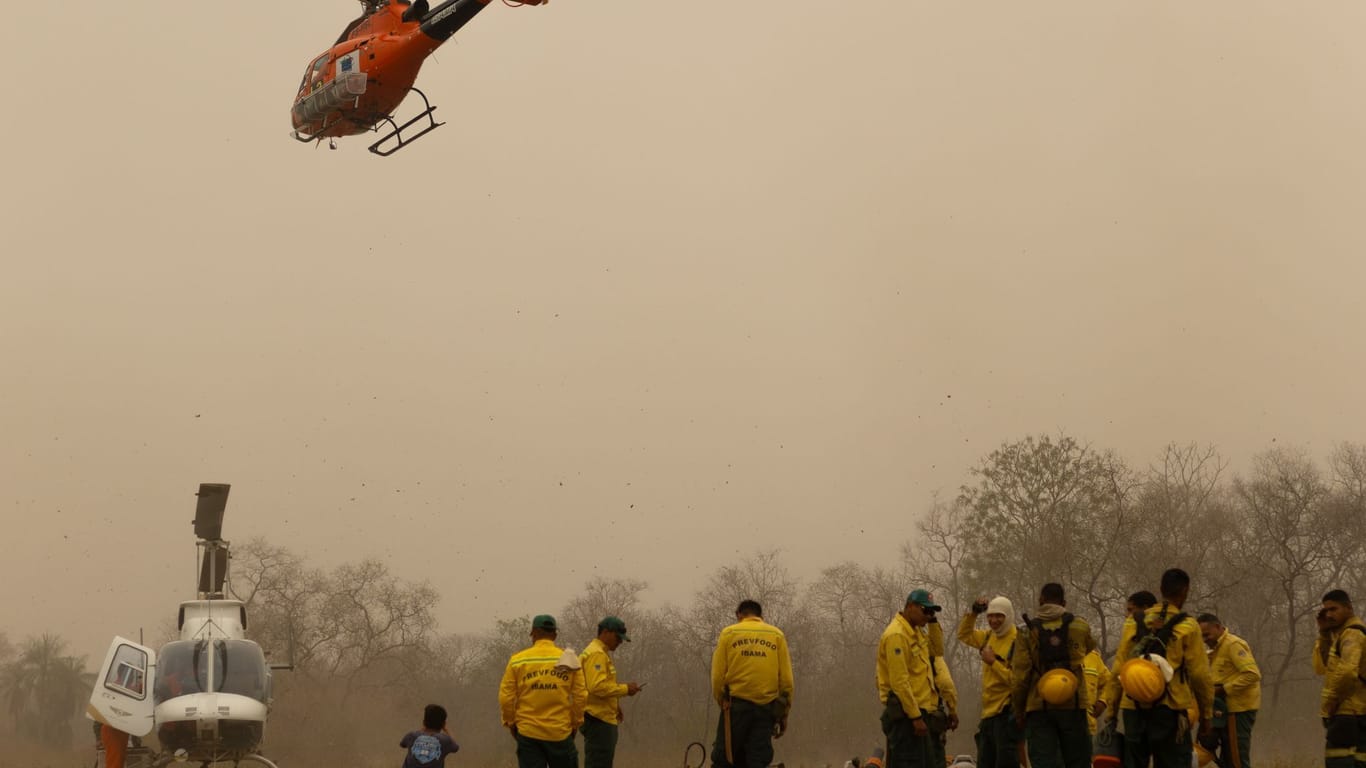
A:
(1337, 647)
(1170, 626)
(1141, 626)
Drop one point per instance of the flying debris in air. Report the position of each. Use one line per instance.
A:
(356, 85)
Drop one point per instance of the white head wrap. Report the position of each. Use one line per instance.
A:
(1002, 605)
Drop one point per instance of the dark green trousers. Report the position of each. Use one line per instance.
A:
(904, 748)
(1159, 734)
(998, 740)
(751, 736)
(1242, 736)
(535, 753)
(599, 742)
(938, 723)
(1058, 738)
(1344, 741)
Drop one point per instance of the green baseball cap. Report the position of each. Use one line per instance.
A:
(616, 625)
(924, 599)
(545, 622)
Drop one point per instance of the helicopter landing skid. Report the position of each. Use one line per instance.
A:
(397, 132)
(169, 761)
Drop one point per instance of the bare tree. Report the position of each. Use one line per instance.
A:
(937, 558)
(379, 618)
(600, 597)
(1301, 541)
(1048, 510)
(1173, 517)
(285, 602)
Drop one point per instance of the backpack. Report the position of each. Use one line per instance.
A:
(1361, 663)
(1055, 653)
(1153, 642)
(1149, 642)
(1055, 647)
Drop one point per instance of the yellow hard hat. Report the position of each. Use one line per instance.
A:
(1058, 686)
(1142, 680)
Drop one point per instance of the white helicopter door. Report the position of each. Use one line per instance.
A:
(123, 690)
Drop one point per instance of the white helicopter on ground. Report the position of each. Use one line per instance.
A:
(207, 695)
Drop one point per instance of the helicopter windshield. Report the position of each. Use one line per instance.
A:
(239, 667)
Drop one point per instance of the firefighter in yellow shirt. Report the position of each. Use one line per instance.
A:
(1337, 656)
(947, 719)
(1237, 693)
(751, 678)
(603, 714)
(1160, 731)
(1097, 677)
(542, 700)
(997, 735)
(906, 685)
(1047, 694)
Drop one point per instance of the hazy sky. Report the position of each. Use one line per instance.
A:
(676, 281)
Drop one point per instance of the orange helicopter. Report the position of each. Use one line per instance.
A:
(356, 85)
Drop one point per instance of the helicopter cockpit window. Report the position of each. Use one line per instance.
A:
(176, 673)
(239, 667)
(245, 672)
(315, 71)
(128, 673)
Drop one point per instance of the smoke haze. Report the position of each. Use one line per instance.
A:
(675, 283)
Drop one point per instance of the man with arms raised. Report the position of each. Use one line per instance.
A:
(997, 735)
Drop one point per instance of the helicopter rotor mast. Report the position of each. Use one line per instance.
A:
(208, 528)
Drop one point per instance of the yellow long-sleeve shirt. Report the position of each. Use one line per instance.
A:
(1191, 683)
(1231, 665)
(903, 668)
(996, 675)
(751, 663)
(934, 631)
(1343, 692)
(1097, 676)
(943, 684)
(542, 702)
(600, 677)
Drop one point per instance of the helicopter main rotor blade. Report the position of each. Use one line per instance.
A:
(208, 511)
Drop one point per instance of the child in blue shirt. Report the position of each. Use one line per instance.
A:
(428, 747)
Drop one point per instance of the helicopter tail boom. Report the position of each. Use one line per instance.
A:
(447, 18)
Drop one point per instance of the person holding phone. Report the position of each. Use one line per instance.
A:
(603, 714)
(1338, 657)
